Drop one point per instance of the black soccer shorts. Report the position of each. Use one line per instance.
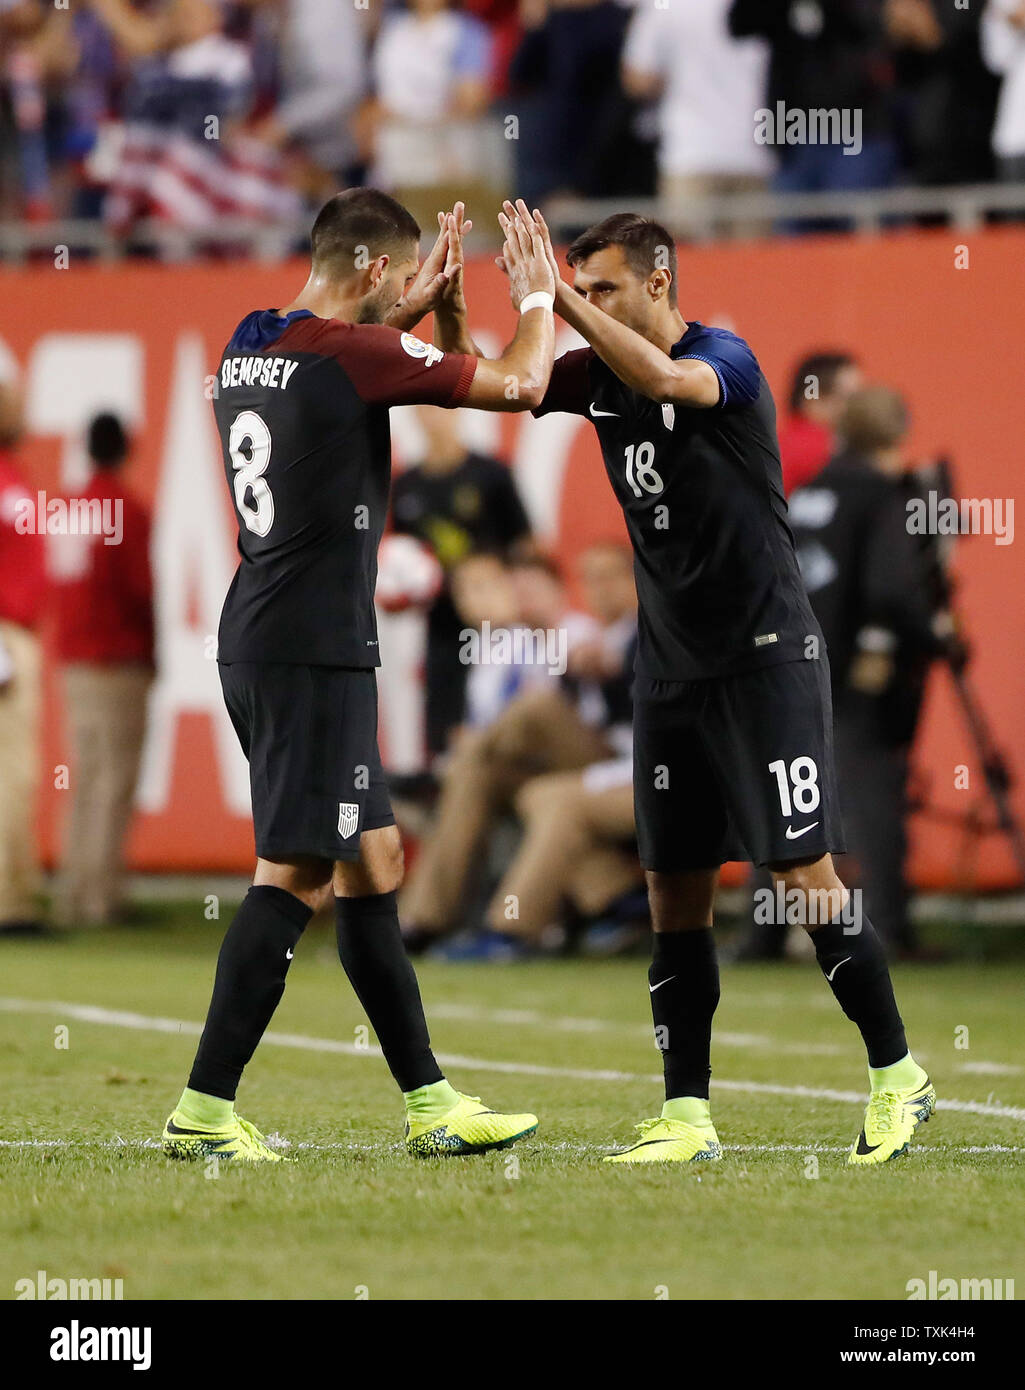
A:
(310, 736)
(736, 767)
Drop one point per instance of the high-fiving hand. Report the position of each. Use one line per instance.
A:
(456, 224)
(439, 280)
(524, 258)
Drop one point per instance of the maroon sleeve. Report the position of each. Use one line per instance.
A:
(569, 390)
(392, 368)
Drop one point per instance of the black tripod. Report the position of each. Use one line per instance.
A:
(998, 776)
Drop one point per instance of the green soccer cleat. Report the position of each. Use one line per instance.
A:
(671, 1141)
(238, 1140)
(891, 1119)
(468, 1128)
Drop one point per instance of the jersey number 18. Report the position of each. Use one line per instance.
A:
(639, 471)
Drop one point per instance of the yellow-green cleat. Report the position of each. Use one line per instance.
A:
(239, 1140)
(671, 1141)
(468, 1128)
(891, 1119)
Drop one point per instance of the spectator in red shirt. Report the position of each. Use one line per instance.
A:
(822, 384)
(105, 646)
(22, 597)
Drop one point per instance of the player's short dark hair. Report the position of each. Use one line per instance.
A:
(106, 441)
(646, 245)
(825, 367)
(360, 218)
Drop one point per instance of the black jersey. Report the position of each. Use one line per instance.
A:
(718, 584)
(871, 584)
(302, 411)
(472, 507)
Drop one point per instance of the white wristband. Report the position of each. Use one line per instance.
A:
(540, 299)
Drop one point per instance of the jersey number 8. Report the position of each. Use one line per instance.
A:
(248, 428)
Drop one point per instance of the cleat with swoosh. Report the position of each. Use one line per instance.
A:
(891, 1119)
(671, 1141)
(468, 1128)
(240, 1141)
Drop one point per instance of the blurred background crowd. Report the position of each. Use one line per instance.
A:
(190, 111)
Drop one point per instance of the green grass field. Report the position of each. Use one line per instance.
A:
(84, 1193)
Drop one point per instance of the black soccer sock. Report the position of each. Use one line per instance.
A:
(856, 970)
(684, 984)
(374, 958)
(250, 980)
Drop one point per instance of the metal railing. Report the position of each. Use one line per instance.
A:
(962, 208)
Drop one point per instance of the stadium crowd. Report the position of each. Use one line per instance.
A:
(195, 110)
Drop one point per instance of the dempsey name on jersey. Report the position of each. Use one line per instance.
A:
(257, 371)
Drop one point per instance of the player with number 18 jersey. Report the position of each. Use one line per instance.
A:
(733, 738)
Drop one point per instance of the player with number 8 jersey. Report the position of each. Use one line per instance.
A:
(302, 410)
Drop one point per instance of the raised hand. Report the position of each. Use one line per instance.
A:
(432, 278)
(561, 287)
(523, 257)
(457, 224)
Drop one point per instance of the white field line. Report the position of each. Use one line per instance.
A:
(990, 1068)
(118, 1018)
(276, 1141)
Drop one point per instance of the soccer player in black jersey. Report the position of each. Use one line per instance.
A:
(733, 754)
(302, 412)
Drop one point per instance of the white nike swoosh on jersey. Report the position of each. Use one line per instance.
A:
(796, 834)
(836, 967)
(653, 988)
(595, 413)
(289, 955)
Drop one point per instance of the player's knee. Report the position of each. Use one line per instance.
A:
(396, 868)
(389, 862)
(807, 874)
(308, 880)
(320, 898)
(680, 901)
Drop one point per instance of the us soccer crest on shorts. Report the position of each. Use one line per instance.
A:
(348, 818)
